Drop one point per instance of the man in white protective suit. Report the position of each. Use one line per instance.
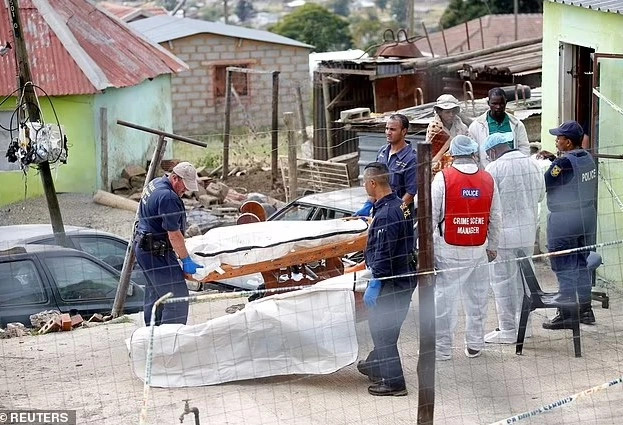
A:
(521, 187)
(466, 218)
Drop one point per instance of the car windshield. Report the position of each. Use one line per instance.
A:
(79, 278)
(296, 212)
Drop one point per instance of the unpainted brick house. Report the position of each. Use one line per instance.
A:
(208, 48)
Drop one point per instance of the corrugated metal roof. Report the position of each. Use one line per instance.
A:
(165, 28)
(612, 6)
(76, 48)
(496, 29)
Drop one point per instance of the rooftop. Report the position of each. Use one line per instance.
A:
(76, 48)
(612, 6)
(164, 28)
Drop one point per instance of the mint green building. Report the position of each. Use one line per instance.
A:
(96, 70)
(582, 71)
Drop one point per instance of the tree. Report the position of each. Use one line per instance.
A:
(315, 25)
(381, 4)
(459, 11)
(245, 10)
(366, 30)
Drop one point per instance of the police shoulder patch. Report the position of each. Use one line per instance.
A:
(555, 171)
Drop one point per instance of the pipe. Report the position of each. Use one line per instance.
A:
(188, 410)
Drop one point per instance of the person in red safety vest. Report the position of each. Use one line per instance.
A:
(467, 221)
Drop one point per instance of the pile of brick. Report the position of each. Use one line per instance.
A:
(214, 204)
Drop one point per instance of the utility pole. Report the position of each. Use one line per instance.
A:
(515, 12)
(225, 12)
(25, 83)
(411, 17)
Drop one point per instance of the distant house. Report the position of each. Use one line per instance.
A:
(131, 14)
(209, 48)
(582, 68)
(96, 70)
(488, 31)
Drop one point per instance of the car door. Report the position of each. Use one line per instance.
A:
(85, 285)
(23, 289)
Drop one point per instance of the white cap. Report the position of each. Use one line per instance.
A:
(447, 101)
(188, 173)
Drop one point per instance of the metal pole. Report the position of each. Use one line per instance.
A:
(225, 12)
(430, 46)
(288, 118)
(467, 34)
(445, 45)
(163, 133)
(411, 17)
(482, 34)
(274, 167)
(30, 100)
(130, 255)
(426, 288)
(227, 129)
(326, 97)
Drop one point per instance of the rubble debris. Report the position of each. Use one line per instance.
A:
(52, 325)
(217, 189)
(114, 201)
(120, 185)
(96, 318)
(234, 308)
(133, 170)
(216, 170)
(167, 164)
(207, 200)
(39, 319)
(65, 322)
(76, 321)
(13, 330)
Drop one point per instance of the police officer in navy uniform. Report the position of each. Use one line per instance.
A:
(160, 242)
(571, 186)
(388, 256)
(398, 155)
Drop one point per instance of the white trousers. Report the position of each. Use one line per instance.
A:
(470, 284)
(507, 286)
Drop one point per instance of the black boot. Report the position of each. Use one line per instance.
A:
(364, 368)
(562, 320)
(586, 314)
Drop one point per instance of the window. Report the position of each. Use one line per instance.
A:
(240, 81)
(5, 138)
(296, 213)
(79, 278)
(20, 283)
(329, 214)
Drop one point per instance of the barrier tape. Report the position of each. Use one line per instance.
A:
(559, 403)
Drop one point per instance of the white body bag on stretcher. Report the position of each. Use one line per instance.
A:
(309, 331)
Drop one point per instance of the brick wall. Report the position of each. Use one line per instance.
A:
(197, 109)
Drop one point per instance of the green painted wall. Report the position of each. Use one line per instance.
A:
(147, 104)
(74, 113)
(602, 32)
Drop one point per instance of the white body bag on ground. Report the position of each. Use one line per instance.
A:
(309, 331)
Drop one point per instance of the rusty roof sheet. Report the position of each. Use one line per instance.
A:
(612, 6)
(497, 29)
(77, 48)
(126, 13)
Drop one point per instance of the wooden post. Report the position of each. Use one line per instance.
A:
(288, 118)
(130, 255)
(326, 97)
(426, 288)
(227, 129)
(30, 100)
(274, 147)
(104, 148)
(299, 100)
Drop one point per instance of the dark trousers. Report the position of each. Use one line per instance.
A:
(567, 230)
(385, 320)
(164, 274)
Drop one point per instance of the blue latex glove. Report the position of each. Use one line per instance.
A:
(189, 266)
(372, 292)
(364, 211)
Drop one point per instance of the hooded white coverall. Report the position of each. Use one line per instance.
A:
(471, 282)
(521, 187)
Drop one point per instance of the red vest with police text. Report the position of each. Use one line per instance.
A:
(468, 204)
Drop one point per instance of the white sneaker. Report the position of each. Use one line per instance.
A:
(471, 353)
(501, 337)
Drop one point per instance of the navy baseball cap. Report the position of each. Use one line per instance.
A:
(569, 129)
